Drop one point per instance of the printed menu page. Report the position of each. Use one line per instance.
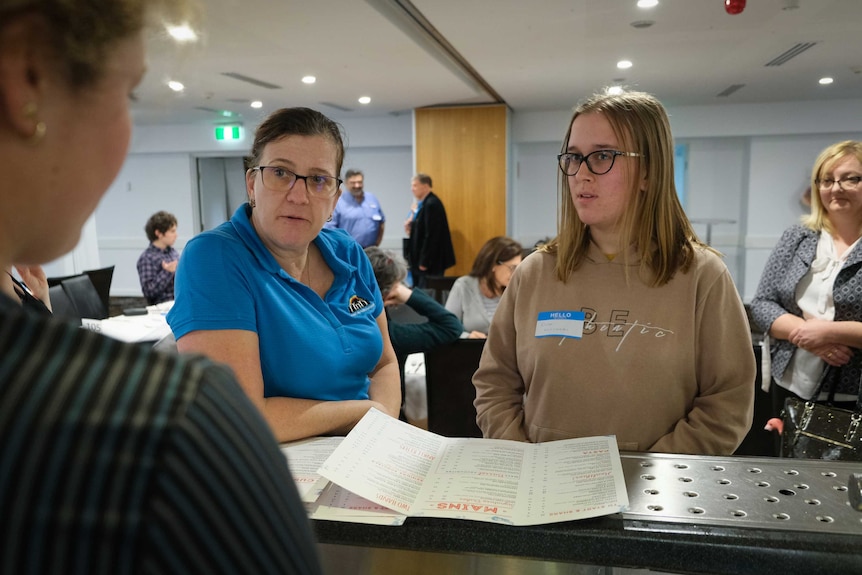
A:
(324, 500)
(419, 473)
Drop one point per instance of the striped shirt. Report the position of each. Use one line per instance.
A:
(117, 459)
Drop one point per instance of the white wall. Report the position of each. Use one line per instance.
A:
(146, 184)
(747, 163)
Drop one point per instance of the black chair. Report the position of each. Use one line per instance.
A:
(84, 297)
(61, 305)
(449, 373)
(439, 287)
(101, 279)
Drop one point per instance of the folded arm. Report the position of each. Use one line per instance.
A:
(290, 418)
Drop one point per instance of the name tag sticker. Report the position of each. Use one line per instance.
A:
(560, 324)
(377, 217)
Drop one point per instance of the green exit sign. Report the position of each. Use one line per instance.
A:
(227, 133)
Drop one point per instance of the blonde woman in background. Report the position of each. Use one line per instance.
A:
(809, 300)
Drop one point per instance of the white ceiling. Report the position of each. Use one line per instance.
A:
(531, 54)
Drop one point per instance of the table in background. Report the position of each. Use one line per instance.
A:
(149, 327)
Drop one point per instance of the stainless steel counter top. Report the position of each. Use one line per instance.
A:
(687, 514)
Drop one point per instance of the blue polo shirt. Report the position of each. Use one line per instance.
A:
(362, 221)
(310, 347)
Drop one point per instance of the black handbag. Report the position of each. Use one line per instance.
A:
(820, 431)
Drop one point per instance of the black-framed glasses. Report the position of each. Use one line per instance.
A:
(847, 183)
(511, 267)
(598, 162)
(279, 179)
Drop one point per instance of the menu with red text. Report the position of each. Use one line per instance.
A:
(419, 473)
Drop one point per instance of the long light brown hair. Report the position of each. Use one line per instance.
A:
(653, 222)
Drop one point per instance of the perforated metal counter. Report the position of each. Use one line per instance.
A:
(687, 514)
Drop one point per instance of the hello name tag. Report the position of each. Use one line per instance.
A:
(560, 324)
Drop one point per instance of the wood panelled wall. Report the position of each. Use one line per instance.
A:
(464, 152)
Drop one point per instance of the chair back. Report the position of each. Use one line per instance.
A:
(85, 298)
(439, 287)
(449, 373)
(61, 305)
(101, 279)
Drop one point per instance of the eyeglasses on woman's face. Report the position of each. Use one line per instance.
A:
(599, 162)
(509, 266)
(847, 183)
(279, 179)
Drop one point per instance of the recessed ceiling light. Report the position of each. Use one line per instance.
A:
(309, 79)
(826, 80)
(182, 33)
(624, 64)
(176, 86)
(647, 3)
(257, 104)
(364, 100)
(614, 90)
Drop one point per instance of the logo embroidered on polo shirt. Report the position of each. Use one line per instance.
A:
(357, 304)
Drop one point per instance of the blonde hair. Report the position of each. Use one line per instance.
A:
(653, 222)
(818, 219)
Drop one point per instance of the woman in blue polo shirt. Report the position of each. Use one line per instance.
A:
(293, 308)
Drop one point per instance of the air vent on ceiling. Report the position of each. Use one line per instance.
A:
(205, 109)
(791, 53)
(336, 106)
(730, 90)
(250, 80)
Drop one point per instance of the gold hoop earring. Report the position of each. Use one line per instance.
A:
(30, 111)
(38, 133)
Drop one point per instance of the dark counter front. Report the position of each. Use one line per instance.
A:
(687, 514)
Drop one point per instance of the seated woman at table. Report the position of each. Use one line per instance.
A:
(626, 324)
(474, 298)
(293, 308)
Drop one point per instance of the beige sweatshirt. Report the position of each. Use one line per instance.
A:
(665, 369)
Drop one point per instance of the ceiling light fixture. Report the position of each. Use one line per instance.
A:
(364, 100)
(624, 64)
(826, 81)
(176, 86)
(257, 104)
(647, 3)
(309, 79)
(182, 33)
(614, 90)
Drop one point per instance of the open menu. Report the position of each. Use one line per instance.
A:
(323, 499)
(418, 473)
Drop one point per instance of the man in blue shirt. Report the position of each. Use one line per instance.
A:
(358, 212)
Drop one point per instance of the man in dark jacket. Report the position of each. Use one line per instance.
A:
(430, 246)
